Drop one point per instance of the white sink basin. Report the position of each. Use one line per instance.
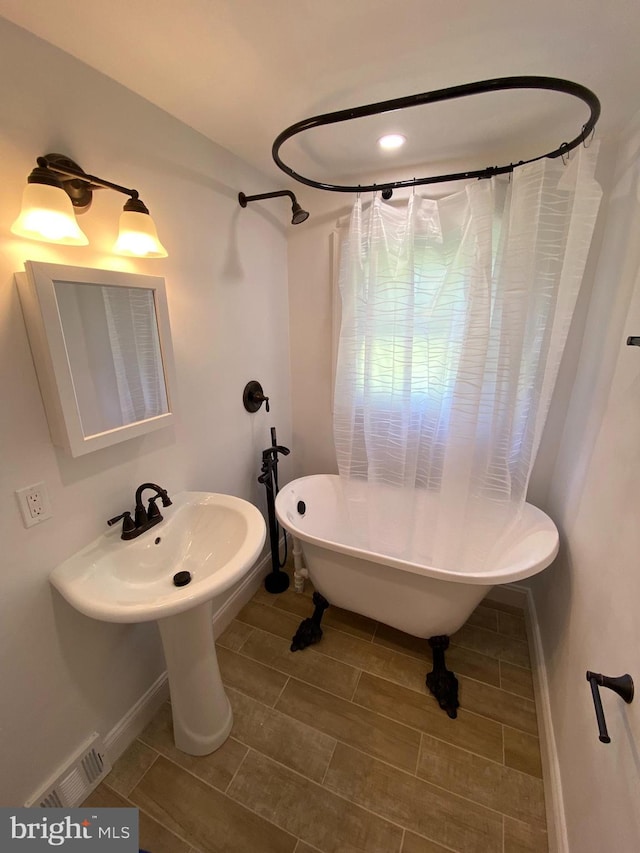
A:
(216, 538)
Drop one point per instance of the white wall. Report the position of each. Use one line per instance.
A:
(311, 318)
(587, 603)
(62, 675)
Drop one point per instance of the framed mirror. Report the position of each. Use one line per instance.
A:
(101, 345)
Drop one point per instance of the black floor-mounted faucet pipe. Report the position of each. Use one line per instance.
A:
(276, 580)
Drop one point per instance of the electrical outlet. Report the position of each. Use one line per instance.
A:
(34, 504)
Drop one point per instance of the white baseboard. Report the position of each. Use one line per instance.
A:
(554, 805)
(136, 719)
(228, 609)
(509, 593)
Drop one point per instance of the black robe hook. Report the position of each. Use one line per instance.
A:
(622, 685)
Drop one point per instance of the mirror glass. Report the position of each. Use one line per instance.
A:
(101, 345)
(111, 337)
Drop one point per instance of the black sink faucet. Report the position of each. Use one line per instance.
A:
(141, 515)
(143, 519)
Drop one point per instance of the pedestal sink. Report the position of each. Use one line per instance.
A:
(216, 539)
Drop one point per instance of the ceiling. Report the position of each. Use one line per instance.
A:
(240, 71)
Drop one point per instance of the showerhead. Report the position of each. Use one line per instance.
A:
(298, 215)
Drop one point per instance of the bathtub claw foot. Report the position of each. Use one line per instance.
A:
(309, 630)
(441, 681)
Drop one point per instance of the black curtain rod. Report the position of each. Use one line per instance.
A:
(498, 84)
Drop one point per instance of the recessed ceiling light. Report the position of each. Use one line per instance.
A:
(391, 141)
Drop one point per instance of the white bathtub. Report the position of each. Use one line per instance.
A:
(420, 599)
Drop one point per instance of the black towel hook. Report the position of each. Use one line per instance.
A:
(622, 685)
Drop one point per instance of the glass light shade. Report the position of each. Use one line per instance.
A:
(138, 236)
(47, 214)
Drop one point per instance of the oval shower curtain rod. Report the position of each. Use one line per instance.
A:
(498, 84)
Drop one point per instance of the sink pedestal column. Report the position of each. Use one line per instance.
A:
(202, 717)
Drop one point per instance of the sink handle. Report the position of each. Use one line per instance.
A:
(153, 511)
(127, 521)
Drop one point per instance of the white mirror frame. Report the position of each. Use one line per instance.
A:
(46, 336)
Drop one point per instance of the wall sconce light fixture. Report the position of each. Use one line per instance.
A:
(298, 215)
(58, 188)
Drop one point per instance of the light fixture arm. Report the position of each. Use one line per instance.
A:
(79, 185)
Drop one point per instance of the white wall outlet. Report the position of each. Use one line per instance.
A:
(34, 504)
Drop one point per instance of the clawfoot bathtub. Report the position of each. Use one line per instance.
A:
(416, 597)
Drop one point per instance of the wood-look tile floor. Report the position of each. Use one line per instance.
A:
(340, 748)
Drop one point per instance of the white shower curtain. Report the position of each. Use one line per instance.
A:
(455, 314)
(135, 348)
